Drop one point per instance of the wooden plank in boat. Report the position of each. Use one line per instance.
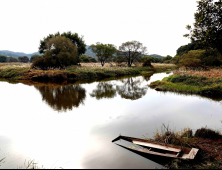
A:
(151, 152)
(191, 155)
(157, 146)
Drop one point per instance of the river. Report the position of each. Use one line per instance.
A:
(72, 125)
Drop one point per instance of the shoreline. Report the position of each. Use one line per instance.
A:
(78, 73)
(204, 83)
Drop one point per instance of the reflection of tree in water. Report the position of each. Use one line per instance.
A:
(130, 89)
(104, 90)
(62, 98)
(146, 78)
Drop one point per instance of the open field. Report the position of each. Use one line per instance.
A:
(22, 71)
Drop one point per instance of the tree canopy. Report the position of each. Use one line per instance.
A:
(73, 37)
(207, 31)
(2, 59)
(34, 57)
(60, 52)
(104, 52)
(11, 60)
(23, 59)
(132, 51)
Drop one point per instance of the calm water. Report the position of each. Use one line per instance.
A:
(72, 126)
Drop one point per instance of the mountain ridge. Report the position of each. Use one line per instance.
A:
(88, 52)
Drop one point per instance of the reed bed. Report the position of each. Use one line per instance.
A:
(14, 65)
(213, 72)
(23, 71)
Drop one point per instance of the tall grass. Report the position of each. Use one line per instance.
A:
(213, 72)
(86, 71)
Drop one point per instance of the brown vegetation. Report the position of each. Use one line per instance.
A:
(208, 141)
(213, 72)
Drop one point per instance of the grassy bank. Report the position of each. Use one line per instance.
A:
(208, 141)
(19, 71)
(207, 83)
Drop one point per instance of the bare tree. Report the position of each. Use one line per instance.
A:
(132, 51)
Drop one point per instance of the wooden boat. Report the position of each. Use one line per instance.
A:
(159, 149)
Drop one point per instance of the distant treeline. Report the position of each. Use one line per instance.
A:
(22, 59)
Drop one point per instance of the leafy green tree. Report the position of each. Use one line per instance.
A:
(73, 37)
(84, 58)
(207, 31)
(2, 59)
(11, 60)
(166, 59)
(185, 48)
(176, 59)
(23, 59)
(34, 57)
(104, 52)
(132, 51)
(60, 52)
(152, 59)
(92, 59)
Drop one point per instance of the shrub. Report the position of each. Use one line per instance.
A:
(201, 58)
(2, 59)
(23, 59)
(207, 133)
(92, 60)
(84, 59)
(147, 63)
(192, 58)
(152, 59)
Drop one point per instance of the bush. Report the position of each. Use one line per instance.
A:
(92, 60)
(152, 59)
(2, 59)
(23, 59)
(201, 58)
(147, 63)
(207, 133)
(60, 53)
(192, 58)
(84, 59)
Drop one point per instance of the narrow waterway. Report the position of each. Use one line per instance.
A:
(72, 125)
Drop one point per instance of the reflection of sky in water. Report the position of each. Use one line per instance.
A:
(81, 137)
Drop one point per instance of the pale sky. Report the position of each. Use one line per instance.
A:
(158, 24)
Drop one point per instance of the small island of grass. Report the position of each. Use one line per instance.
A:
(207, 83)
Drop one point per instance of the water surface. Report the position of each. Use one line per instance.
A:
(72, 125)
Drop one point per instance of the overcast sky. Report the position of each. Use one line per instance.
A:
(158, 24)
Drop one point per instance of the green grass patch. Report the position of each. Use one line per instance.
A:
(190, 84)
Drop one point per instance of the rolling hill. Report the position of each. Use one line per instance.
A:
(16, 54)
(89, 52)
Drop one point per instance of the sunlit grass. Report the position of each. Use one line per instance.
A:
(86, 71)
(207, 83)
(213, 72)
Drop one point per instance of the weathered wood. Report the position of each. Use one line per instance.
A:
(177, 151)
(157, 146)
